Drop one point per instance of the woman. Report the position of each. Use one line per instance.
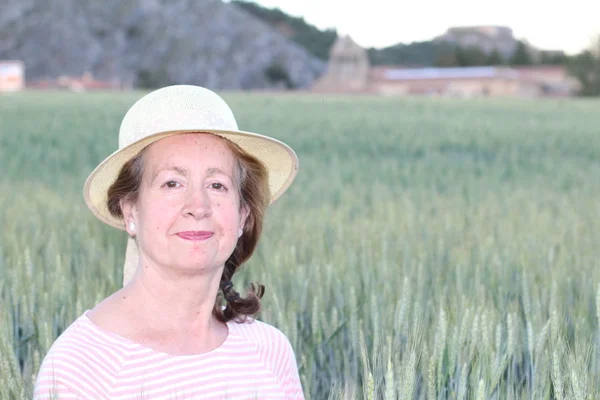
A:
(190, 190)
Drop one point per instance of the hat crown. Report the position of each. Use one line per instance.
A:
(176, 108)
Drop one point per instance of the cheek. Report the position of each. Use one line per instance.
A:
(158, 214)
(229, 216)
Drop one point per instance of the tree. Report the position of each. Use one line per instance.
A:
(585, 67)
(446, 57)
(458, 56)
(495, 58)
(470, 56)
(553, 58)
(276, 73)
(413, 54)
(521, 55)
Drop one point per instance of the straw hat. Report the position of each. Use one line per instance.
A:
(173, 110)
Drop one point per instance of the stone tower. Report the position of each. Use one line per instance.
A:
(348, 68)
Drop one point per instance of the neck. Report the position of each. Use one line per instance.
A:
(175, 301)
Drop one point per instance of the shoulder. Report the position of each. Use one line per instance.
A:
(81, 354)
(260, 333)
(271, 345)
(275, 351)
(82, 339)
(269, 342)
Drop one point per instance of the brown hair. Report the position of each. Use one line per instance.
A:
(253, 190)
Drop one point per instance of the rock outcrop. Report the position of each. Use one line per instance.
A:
(152, 43)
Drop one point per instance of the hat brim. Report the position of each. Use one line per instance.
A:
(279, 159)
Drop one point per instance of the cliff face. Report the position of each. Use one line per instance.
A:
(152, 43)
(486, 38)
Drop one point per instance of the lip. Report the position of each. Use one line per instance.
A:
(195, 235)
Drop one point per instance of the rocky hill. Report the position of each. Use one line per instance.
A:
(152, 43)
(499, 40)
(486, 38)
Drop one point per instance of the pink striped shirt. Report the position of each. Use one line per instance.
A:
(256, 361)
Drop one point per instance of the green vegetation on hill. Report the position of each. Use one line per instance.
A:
(318, 42)
(426, 53)
(417, 53)
(585, 66)
(310, 37)
(449, 55)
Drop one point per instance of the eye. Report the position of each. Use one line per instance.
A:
(171, 184)
(218, 186)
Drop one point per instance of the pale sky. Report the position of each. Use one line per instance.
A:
(546, 24)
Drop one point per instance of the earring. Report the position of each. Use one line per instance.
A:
(132, 226)
(240, 232)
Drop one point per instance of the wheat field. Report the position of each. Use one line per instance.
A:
(428, 249)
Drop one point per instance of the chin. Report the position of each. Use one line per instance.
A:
(196, 266)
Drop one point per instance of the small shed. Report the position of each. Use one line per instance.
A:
(12, 76)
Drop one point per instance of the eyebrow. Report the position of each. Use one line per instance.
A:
(216, 171)
(179, 170)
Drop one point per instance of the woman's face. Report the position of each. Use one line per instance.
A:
(187, 215)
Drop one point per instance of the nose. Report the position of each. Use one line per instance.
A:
(197, 204)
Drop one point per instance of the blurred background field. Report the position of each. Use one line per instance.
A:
(429, 248)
